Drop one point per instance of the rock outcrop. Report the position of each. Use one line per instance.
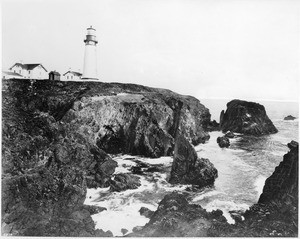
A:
(124, 181)
(223, 142)
(230, 135)
(146, 212)
(283, 183)
(290, 117)
(245, 117)
(175, 217)
(187, 168)
(142, 168)
(213, 126)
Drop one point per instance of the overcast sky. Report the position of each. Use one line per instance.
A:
(247, 49)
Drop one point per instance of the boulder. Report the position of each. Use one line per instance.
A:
(187, 168)
(94, 209)
(124, 231)
(124, 181)
(103, 169)
(245, 117)
(141, 167)
(230, 135)
(223, 142)
(289, 117)
(213, 126)
(146, 212)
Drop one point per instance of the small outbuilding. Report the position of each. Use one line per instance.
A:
(54, 75)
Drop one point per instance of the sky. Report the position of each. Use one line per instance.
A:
(225, 49)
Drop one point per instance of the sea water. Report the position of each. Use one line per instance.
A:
(242, 171)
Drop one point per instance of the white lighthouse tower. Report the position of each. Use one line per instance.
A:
(90, 55)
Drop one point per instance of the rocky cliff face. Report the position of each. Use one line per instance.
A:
(46, 168)
(54, 134)
(139, 122)
(247, 118)
(187, 168)
(283, 183)
(118, 117)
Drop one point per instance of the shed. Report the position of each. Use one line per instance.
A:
(54, 75)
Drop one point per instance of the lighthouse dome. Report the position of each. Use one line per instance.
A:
(91, 31)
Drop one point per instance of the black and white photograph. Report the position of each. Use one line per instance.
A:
(150, 118)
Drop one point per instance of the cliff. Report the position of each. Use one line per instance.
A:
(284, 180)
(55, 139)
(245, 117)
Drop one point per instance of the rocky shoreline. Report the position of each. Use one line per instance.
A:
(56, 136)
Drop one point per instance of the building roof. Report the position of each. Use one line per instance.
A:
(9, 73)
(74, 73)
(28, 66)
(55, 73)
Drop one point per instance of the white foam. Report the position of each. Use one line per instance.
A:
(161, 160)
(123, 165)
(205, 195)
(123, 216)
(226, 206)
(259, 184)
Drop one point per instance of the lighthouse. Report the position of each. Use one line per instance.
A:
(90, 55)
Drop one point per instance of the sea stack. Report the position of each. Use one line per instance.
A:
(247, 118)
(90, 55)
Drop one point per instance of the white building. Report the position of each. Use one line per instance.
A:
(72, 76)
(11, 75)
(30, 71)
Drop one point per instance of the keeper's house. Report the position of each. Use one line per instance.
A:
(72, 76)
(30, 71)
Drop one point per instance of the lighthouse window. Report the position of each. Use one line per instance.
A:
(71, 77)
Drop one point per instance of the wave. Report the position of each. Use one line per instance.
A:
(206, 195)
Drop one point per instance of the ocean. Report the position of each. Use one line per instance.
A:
(242, 171)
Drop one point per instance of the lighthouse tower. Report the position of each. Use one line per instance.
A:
(90, 55)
